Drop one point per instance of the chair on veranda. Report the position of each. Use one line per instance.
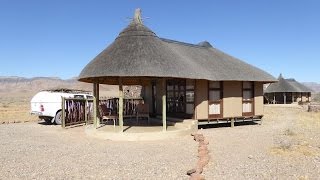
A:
(142, 111)
(106, 114)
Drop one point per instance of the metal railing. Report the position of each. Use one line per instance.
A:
(129, 105)
(84, 111)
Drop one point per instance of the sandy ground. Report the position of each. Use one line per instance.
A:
(285, 146)
(37, 151)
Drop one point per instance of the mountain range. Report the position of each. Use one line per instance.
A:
(13, 84)
(9, 84)
(312, 85)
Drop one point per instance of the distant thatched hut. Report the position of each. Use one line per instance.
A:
(287, 91)
(180, 79)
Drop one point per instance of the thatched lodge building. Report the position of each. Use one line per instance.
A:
(287, 91)
(180, 79)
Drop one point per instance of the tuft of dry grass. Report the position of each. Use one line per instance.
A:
(303, 178)
(289, 132)
(285, 145)
(294, 150)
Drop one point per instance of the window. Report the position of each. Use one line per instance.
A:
(190, 96)
(215, 99)
(176, 100)
(247, 99)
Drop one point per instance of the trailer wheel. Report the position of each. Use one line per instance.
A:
(58, 118)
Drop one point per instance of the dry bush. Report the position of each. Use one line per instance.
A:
(285, 145)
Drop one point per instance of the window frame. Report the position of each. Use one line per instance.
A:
(190, 89)
(220, 101)
(251, 88)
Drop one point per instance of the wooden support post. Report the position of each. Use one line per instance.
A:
(232, 122)
(284, 98)
(95, 112)
(292, 97)
(63, 118)
(85, 102)
(164, 107)
(96, 119)
(309, 96)
(120, 105)
(164, 113)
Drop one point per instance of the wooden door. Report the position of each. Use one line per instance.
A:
(176, 101)
(215, 100)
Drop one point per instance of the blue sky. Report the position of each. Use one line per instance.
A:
(58, 38)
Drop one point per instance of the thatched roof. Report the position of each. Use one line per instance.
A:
(286, 85)
(138, 52)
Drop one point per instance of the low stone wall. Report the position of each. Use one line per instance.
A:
(203, 155)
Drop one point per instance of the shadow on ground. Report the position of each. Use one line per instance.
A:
(221, 125)
(45, 123)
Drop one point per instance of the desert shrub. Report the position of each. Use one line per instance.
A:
(5, 105)
(285, 145)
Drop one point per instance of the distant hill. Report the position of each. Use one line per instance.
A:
(312, 85)
(13, 84)
(17, 86)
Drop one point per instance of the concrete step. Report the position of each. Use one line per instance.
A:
(138, 136)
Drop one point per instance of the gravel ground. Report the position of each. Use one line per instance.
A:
(36, 151)
(280, 148)
(285, 146)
